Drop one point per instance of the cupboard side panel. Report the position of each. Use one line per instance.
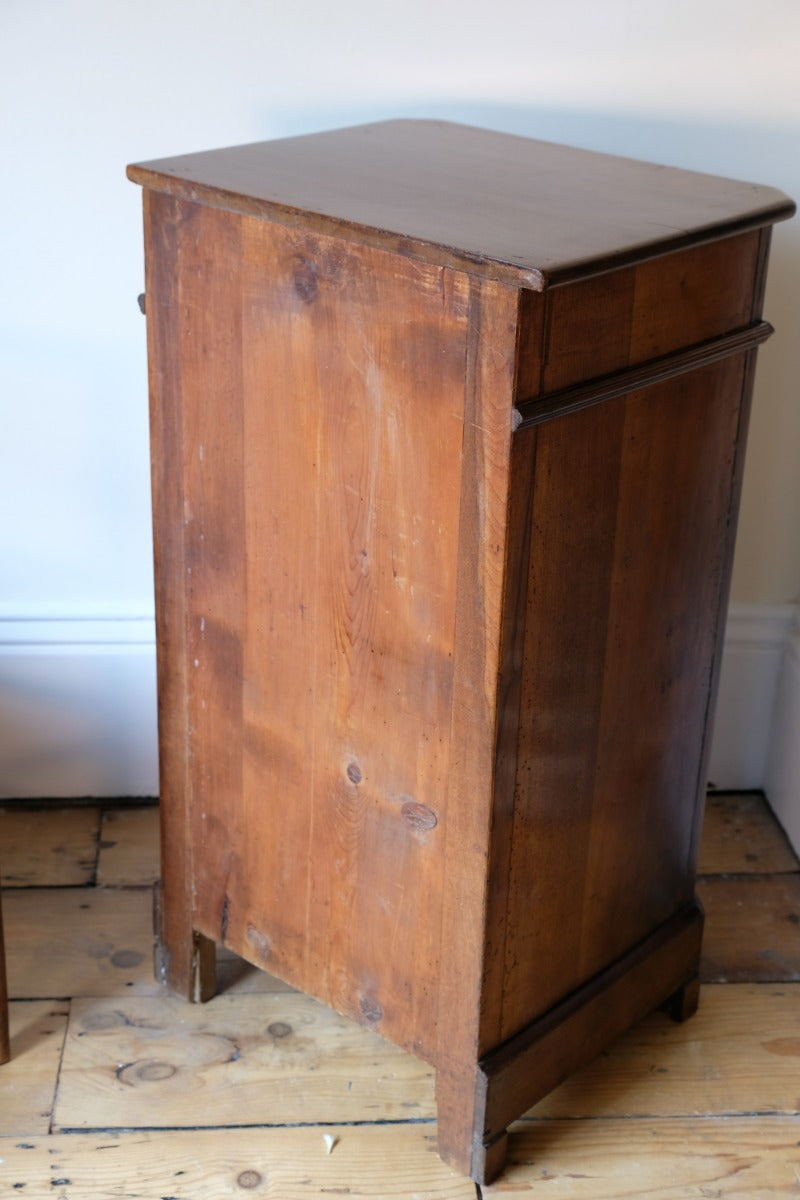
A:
(628, 559)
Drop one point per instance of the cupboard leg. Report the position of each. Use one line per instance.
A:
(683, 1004)
(185, 960)
(461, 1110)
(488, 1161)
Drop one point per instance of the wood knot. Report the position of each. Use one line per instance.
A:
(279, 1029)
(126, 958)
(259, 941)
(371, 1010)
(354, 773)
(305, 281)
(249, 1179)
(419, 816)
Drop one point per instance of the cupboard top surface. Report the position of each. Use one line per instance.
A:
(534, 213)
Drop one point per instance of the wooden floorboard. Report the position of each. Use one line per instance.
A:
(245, 1060)
(65, 857)
(394, 1163)
(752, 929)
(741, 836)
(739, 1054)
(748, 1158)
(128, 849)
(117, 1090)
(28, 1081)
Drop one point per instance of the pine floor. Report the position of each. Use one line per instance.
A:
(116, 1090)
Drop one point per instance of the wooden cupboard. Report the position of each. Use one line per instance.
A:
(448, 430)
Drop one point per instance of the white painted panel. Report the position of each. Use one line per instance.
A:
(782, 776)
(77, 718)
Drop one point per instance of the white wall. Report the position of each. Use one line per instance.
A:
(87, 85)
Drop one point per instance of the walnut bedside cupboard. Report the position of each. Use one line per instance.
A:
(447, 441)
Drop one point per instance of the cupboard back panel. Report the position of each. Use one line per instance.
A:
(321, 400)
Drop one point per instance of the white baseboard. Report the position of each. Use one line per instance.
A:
(78, 708)
(782, 774)
(755, 642)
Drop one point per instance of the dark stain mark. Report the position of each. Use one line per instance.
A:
(259, 941)
(20, 1185)
(793, 918)
(126, 958)
(141, 300)
(106, 845)
(305, 281)
(223, 923)
(419, 816)
(60, 1183)
(354, 773)
(371, 1009)
(249, 1179)
(279, 1029)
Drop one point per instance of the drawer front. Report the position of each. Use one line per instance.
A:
(597, 326)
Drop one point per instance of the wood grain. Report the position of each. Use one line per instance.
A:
(424, 188)
(66, 857)
(739, 1054)
(752, 928)
(129, 847)
(92, 942)
(466, 1023)
(350, 619)
(258, 1060)
(28, 1080)
(618, 655)
(440, 685)
(653, 1160)
(533, 1062)
(627, 317)
(741, 836)
(398, 1163)
(185, 962)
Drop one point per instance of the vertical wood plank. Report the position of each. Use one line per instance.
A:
(181, 954)
(212, 356)
(573, 523)
(486, 458)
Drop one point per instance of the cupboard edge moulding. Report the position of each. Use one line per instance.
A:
(447, 440)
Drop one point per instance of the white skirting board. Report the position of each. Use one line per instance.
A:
(782, 771)
(78, 708)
